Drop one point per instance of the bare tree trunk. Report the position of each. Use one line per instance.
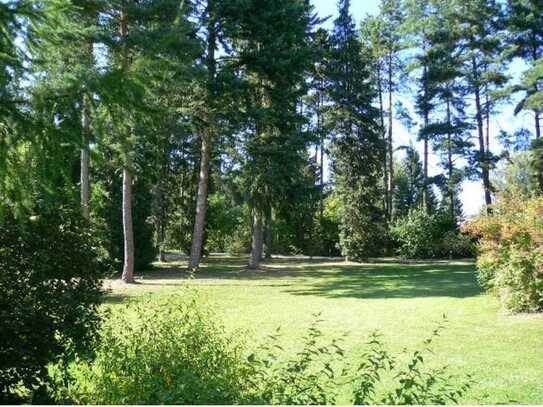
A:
(449, 160)
(86, 136)
(425, 181)
(161, 228)
(482, 150)
(385, 165)
(256, 249)
(321, 162)
(268, 235)
(85, 159)
(425, 163)
(390, 142)
(535, 57)
(201, 206)
(487, 114)
(537, 125)
(207, 139)
(128, 228)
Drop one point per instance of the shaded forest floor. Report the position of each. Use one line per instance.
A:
(403, 301)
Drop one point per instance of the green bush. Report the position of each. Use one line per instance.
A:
(165, 351)
(429, 235)
(223, 219)
(50, 288)
(456, 244)
(172, 351)
(510, 263)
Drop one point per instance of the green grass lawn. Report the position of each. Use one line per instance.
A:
(404, 302)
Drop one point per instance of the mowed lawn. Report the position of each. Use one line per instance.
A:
(404, 302)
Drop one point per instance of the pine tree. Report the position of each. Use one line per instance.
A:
(524, 20)
(273, 69)
(441, 99)
(392, 18)
(483, 72)
(143, 40)
(208, 132)
(357, 143)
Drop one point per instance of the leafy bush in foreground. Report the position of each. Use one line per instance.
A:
(170, 351)
(510, 263)
(50, 288)
(166, 351)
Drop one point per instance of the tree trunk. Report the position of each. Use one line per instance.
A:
(201, 206)
(385, 165)
(537, 125)
(268, 236)
(85, 159)
(161, 229)
(425, 167)
(128, 228)
(390, 143)
(487, 119)
(256, 249)
(450, 161)
(482, 150)
(86, 137)
(321, 162)
(207, 139)
(535, 57)
(425, 139)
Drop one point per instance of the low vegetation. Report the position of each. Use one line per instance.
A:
(510, 262)
(49, 299)
(172, 350)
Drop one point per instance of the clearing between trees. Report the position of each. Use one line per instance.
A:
(402, 301)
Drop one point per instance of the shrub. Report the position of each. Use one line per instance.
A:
(317, 374)
(429, 235)
(165, 351)
(511, 255)
(240, 241)
(172, 351)
(50, 290)
(454, 243)
(223, 219)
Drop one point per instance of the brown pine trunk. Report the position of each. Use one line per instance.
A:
(85, 159)
(482, 150)
(256, 248)
(86, 136)
(425, 181)
(535, 57)
(268, 236)
(390, 144)
(207, 139)
(201, 206)
(425, 159)
(128, 228)
(321, 161)
(487, 119)
(385, 165)
(450, 161)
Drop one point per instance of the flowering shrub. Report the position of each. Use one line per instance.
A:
(511, 252)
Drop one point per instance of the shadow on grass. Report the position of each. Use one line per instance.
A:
(328, 278)
(394, 281)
